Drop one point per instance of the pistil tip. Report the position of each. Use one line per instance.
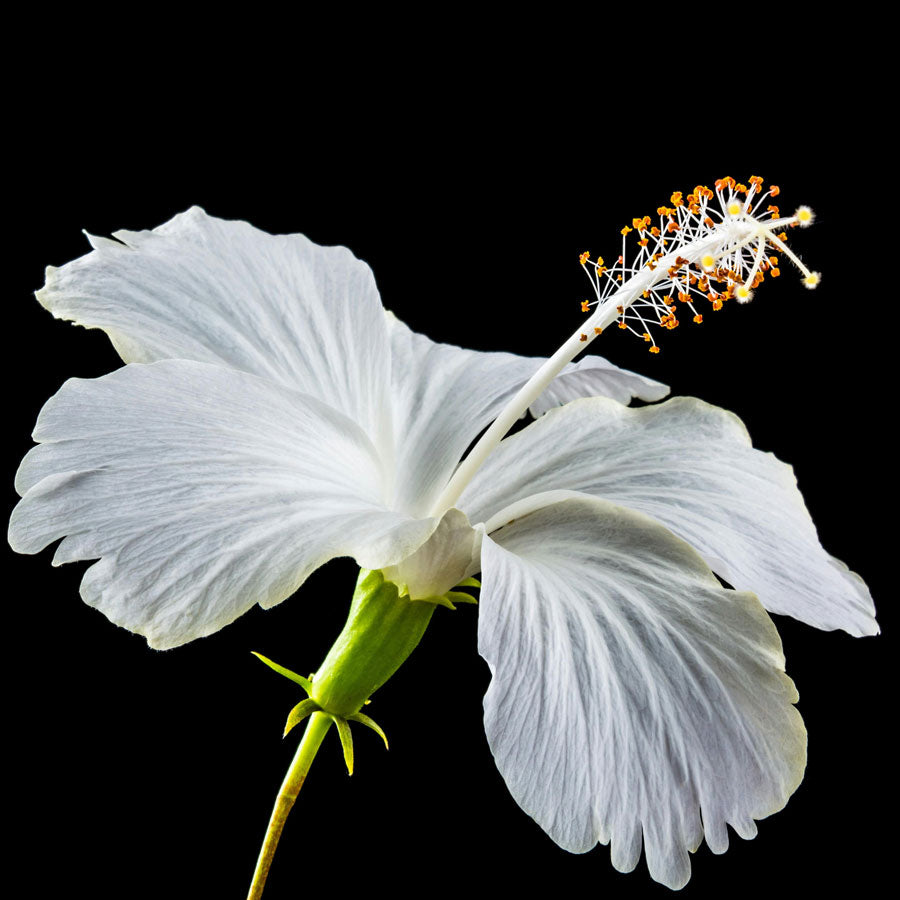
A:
(812, 280)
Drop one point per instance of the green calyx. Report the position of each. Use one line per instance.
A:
(382, 629)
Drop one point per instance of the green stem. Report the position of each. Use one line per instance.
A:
(318, 726)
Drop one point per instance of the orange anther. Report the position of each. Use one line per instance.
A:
(582, 337)
(647, 337)
(598, 330)
(773, 209)
(717, 305)
(676, 198)
(740, 188)
(622, 325)
(585, 306)
(756, 181)
(584, 257)
(775, 272)
(654, 349)
(625, 230)
(698, 318)
(684, 297)
(672, 226)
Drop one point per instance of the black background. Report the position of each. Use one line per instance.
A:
(139, 773)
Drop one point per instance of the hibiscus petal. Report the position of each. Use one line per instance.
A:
(631, 695)
(202, 490)
(450, 555)
(444, 396)
(594, 376)
(691, 466)
(224, 292)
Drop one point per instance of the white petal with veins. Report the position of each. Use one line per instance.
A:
(202, 491)
(633, 699)
(691, 466)
(451, 554)
(224, 292)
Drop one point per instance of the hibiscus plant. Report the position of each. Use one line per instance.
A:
(273, 416)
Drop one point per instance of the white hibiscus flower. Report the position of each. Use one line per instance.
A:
(272, 416)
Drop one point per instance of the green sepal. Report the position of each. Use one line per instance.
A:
(469, 582)
(460, 597)
(438, 601)
(303, 709)
(305, 683)
(370, 723)
(346, 741)
(450, 599)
